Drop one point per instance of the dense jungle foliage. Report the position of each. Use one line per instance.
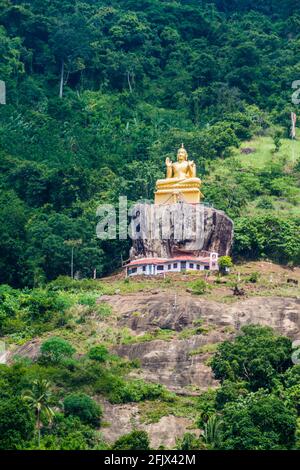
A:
(100, 92)
(256, 406)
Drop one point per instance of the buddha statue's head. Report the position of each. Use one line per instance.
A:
(182, 154)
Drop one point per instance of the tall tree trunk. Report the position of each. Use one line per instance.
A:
(129, 82)
(72, 262)
(62, 73)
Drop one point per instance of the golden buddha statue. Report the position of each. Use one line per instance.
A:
(181, 183)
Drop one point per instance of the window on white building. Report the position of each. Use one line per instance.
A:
(132, 270)
(160, 268)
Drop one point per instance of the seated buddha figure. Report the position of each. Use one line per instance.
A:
(181, 183)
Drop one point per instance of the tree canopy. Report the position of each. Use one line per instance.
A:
(99, 93)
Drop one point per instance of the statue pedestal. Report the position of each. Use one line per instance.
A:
(171, 191)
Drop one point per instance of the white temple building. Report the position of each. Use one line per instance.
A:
(181, 263)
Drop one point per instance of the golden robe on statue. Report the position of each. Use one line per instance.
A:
(181, 183)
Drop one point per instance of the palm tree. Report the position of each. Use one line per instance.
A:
(211, 433)
(39, 399)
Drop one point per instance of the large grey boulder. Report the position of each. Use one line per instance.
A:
(168, 230)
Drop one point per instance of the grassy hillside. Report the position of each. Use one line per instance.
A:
(255, 159)
(84, 313)
(83, 338)
(288, 202)
(99, 93)
(263, 148)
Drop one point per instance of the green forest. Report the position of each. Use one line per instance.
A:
(98, 94)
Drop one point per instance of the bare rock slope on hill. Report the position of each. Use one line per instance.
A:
(181, 360)
(174, 333)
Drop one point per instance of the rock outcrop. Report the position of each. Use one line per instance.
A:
(181, 332)
(163, 433)
(181, 362)
(178, 311)
(168, 230)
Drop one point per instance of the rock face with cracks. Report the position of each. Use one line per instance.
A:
(163, 433)
(184, 330)
(181, 332)
(168, 230)
(181, 360)
(182, 363)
